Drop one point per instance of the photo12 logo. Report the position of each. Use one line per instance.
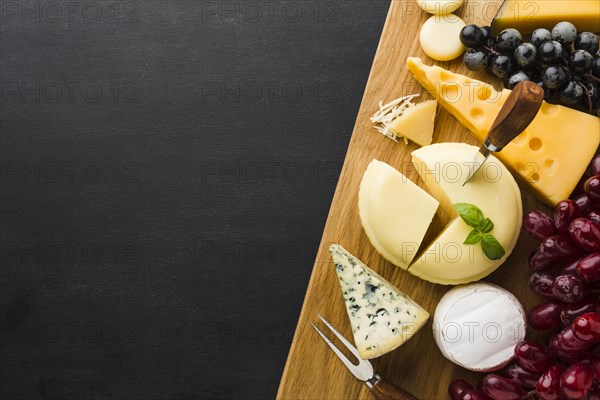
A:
(16, 92)
(69, 12)
(270, 12)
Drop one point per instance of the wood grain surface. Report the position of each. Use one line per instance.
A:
(312, 370)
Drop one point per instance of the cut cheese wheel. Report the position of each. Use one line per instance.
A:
(382, 316)
(550, 156)
(444, 167)
(416, 123)
(440, 38)
(477, 326)
(439, 7)
(394, 212)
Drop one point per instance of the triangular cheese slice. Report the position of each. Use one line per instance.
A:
(394, 212)
(550, 156)
(382, 317)
(416, 123)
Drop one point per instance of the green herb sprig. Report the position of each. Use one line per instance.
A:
(480, 234)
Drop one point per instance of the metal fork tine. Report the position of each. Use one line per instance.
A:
(342, 338)
(340, 355)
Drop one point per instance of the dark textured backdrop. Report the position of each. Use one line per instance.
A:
(166, 172)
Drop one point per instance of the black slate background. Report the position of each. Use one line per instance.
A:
(166, 171)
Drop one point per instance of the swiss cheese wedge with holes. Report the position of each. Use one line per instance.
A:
(549, 157)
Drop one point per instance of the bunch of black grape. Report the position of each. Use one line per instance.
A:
(564, 63)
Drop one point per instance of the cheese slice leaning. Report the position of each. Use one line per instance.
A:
(550, 156)
(394, 212)
(444, 167)
(382, 317)
(416, 123)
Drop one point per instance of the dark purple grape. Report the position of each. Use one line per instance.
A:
(568, 289)
(548, 93)
(592, 189)
(550, 52)
(565, 33)
(580, 62)
(472, 394)
(577, 380)
(503, 66)
(538, 225)
(565, 212)
(553, 251)
(508, 40)
(585, 234)
(554, 76)
(475, 60)
(571, 94)
(471, 36)
(498, 387)
(596, 66)
(588, 268)
(587, 41)
(488, 39)
(525, 55)
(545, 315)
(525, 377)
(548, 386)
(540, 36)
(565, 357)
(594, 166)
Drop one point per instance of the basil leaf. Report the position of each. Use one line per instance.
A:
(474, 237)
(492, 249)
(486, 225)
(470, 213)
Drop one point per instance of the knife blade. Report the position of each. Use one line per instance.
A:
(519, 109)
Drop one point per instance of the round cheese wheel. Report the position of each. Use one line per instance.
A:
(439, 7)
(478, 325)
(440, 39)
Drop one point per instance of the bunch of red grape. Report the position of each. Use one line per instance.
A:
(566, 273)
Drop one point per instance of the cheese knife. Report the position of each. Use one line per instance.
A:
(520, 108)
(380, 387)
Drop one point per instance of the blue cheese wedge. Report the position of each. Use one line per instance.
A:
(382, 317)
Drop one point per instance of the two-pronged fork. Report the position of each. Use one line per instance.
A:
(381, 388)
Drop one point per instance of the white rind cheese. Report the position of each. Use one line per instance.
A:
(382, 317)
(478, 325)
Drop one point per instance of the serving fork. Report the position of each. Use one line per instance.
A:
(381, 388)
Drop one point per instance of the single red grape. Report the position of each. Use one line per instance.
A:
(573, 310)
(588, 267)
(584, 203)
(565, 212)
(553, 251)
(472, 394)
(587, 327)
(571, 344)
(568, 288)
(538, 225)
(548, 386)
(545, 315)
(456, 387)
(541, 284)
(592, 189)
(525, 377)
(567, 358)
(585, 234)
(498, 387)
(576, 380)
(534, 356)
(593, 167)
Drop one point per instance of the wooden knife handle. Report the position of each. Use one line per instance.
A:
(519, 109)
(386, 390)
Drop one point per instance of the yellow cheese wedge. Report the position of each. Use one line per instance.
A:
(394, 212)
(527, 15)
(549, 157)
(416, 123)
(444, 167)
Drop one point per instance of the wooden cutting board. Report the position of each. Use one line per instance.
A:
(312, 370)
